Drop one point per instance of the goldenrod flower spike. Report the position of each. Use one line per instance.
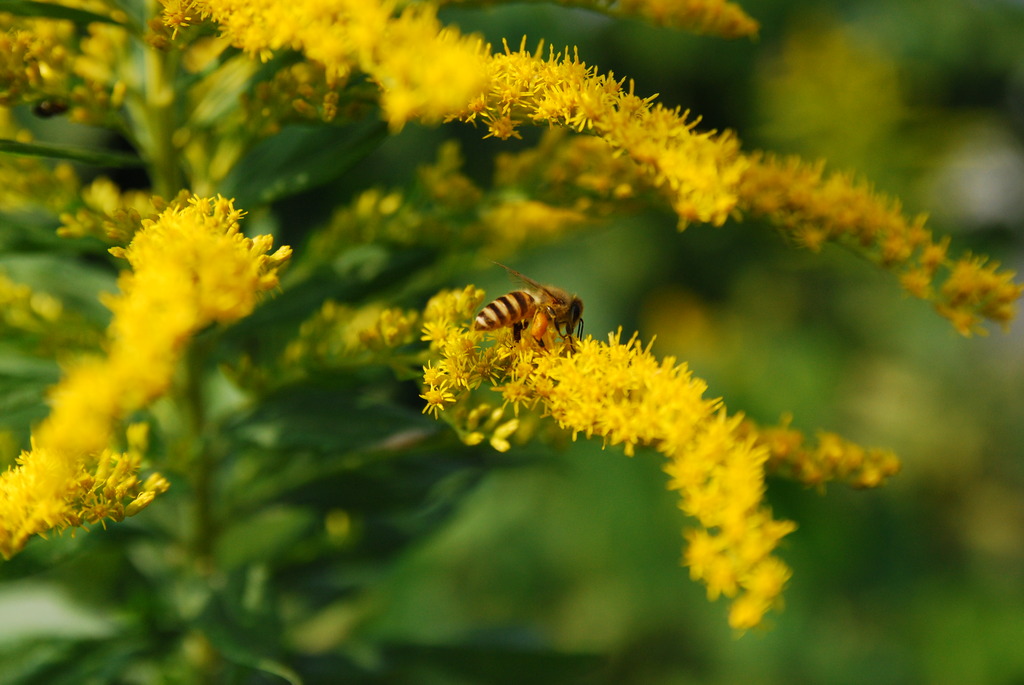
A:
(830, 458)
(698, 171)
(344, 35)
(190, 267)
(621, 393)
(815, 208)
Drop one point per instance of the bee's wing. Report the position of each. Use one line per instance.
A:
(528, 282)
(516, 276)
(548, 293)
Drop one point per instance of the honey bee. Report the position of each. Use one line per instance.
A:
(544, 304)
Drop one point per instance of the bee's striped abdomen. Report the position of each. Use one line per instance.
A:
(505, 311)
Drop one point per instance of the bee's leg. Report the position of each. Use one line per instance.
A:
(567, 336)
(540, 326)
(517, 330)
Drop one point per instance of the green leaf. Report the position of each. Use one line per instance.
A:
(71, 153)
(267, 534)
(34, 230)
(27, 8)
(324, 420)
(55, 661)
(246, 635)
(298, 159)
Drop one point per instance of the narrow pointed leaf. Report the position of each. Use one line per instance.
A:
(70, 153)
(27, 8)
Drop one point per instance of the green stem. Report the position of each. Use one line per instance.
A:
(167, 176)
(159, 108)
(199, 458)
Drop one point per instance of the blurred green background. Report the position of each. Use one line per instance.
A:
(576, 549)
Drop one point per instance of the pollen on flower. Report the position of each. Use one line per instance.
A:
(432, 375)
(179, 14)
(437, 398)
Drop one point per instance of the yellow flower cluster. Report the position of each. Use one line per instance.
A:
(831, 458)
(110, 214)
(47, 490)
(29, 182)
(344, 35)
(621, 393)
(297, 91)
(45, 62)
(815, 208)
(35, 60)
(339, 334)
(441, 320)
(463, 364)
(190, 267)
(446, 208)
(582, 172)
(23, 309)
(699, 171)
(43, 319)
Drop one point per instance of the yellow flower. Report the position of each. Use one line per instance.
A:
(190, 267)
(437, 397)
(344, 35)
(50, 63)
(35, 61)
(814, 208)
(339, 335)
(831, 458)
(621, 393)
(110, 214)
(29, 182)
(698, 171)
